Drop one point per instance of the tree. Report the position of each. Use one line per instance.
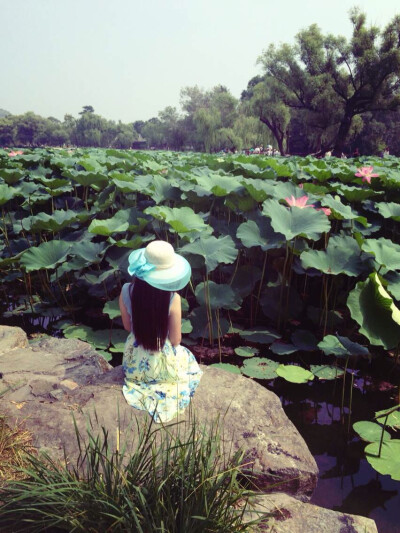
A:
(332, 80)
(87, 109)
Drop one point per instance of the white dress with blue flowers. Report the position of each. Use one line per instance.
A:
(161, 382)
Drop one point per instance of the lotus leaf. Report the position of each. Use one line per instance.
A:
(94, 179)
(374, 310)
(259, 234)
(370, 432)
(393, 419)
(228, 367)
(186, 326)
(201, 328)
(117, 224)
(386, 252)
(217, 295)
(245, 278)
(304, 340)
(245, 351)
(389, 460)
(215, 251)
(341, 346)
(7, 193)
(294, 222)
(105, 355)
(393, 283)
(55, 222)
(259, 368)
(342, 256)
(47, 255)
(111, 308)
(342, 211)
(12, 175)
(92, 252)
(98, 339)
(326, 371)
(294, 373)
(389, 210)
(182, 219)
(355, 194)
(219, 185)
(282, 348)
(260, 336)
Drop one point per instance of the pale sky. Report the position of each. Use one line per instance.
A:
(129, 59)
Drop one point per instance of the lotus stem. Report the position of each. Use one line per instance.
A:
(343, 388)
(351, 402)
(260, 285)
(218, 334)
(283, 285)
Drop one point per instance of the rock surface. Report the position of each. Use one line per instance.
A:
(55, 385)
(290, 515)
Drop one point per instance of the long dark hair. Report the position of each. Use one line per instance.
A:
(150, 309)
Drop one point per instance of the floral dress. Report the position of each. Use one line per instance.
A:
(161, 382)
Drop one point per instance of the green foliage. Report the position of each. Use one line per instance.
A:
(175, 480)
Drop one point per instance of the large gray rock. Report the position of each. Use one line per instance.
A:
(53, 382)
(289, 515)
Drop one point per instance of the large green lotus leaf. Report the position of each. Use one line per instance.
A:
(12, 175)
(374, 310)
(260, 368)
(55, 222)
(215, 251)
(304, 340)
(341, 346)
(262, 336)
(219, 185)
(326, 372)
(258, 189)
(112, 309)
(318, 190)
(157, 187)
(105, 355)
(342, 256)
(186, 326)
(294, 373)
(386, 252)
(342, 211)
(53, 183)
(47, 255)
(389, 210)
(98, 339)
(7, 193)
(393, 419)
(93, 179)
(293, 222)
(92, 252)
(182, 219)
(389, 460)
(228, 367)
(253, 171)
(370, 432)
(393, 284)
(355, 194)
(259, 234)
(241, 202)
(116, 224)
(245, 351)
(245, 279)
(199, 320)
(218, 295)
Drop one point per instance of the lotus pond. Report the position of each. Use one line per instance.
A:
(296, 267)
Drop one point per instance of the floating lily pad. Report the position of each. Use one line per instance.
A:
(282, 348)
(326, 371)
(264, 336)
(245, 351)
(370, 432)
(260, 368)
(389, 460)
(393, 419)
(294, 373)
(228, 367)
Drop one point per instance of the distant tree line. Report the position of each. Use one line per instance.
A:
(324, 93)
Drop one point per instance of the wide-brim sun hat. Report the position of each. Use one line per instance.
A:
(159, 266)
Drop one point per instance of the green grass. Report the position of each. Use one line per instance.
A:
(174, 479)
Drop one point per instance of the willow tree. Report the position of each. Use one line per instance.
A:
(332, 80)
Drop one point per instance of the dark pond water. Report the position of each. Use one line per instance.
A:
(347, 482)
(322, 414)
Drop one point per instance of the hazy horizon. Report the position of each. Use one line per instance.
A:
(129, 59)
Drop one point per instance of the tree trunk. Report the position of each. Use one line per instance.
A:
(279, 136)
(341, 137)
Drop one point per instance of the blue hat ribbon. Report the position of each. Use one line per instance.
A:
(140, 266)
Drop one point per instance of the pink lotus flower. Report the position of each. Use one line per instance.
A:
(326, 210)
(14, 153)
(298, 202)
(366, 174)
